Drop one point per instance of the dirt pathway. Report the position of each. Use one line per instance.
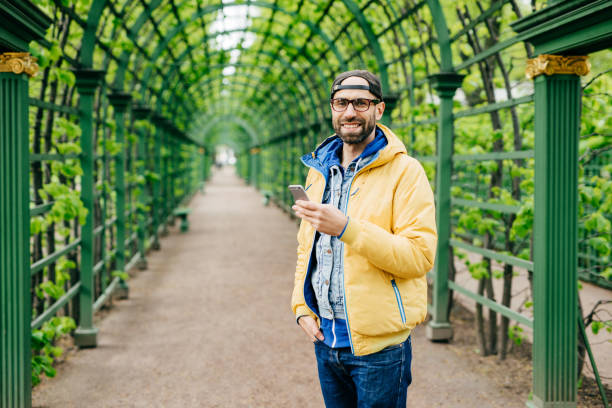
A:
(209, 325)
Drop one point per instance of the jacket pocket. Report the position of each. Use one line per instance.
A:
(398, 297)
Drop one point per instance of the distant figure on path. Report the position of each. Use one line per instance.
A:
(366, 240)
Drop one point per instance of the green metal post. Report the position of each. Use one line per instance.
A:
(256, 159)
(15, 304)
(157, 200)
(87, 81)
(203, 171)
(291, 143)
(165, 181)
(185, 172)
(579, 28)
(142, 113)
(21, 23)
(445, 84)
(248, 177)
(391, 101)
(557, 129)
(120, 102)
(174, 166)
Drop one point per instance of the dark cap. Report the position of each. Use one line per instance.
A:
(374, 83)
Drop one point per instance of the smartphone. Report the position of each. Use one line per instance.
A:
(298, 192)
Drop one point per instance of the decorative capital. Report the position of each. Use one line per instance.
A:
(446, 83)
(18, 63)
(391, 101)
(158, 119)
(557, 64)
(141, 112)
(88, 80)
(120, 100)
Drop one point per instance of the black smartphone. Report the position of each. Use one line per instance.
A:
(298, 192)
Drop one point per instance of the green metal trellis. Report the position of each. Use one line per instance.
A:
(277, 101)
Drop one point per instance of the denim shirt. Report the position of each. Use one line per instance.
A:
(328, 277)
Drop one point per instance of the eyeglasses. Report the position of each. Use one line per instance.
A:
(359, 104)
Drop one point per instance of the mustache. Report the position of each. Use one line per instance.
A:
(360, 121)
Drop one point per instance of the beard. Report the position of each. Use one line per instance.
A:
(358, 135)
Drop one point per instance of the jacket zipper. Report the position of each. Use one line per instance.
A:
(348, 196)
(311, 247)
(398, 297)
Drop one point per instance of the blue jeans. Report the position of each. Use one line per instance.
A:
(375, 380)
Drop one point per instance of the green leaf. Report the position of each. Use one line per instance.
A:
(596, 326)
(600, 244)
(121, 274)
(49, 370)
(597, 222)
(478, 270)
(515, 333)
(57, 351)
(36, 225)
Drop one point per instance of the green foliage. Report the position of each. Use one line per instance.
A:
(112, 148)
(67, 203)
(63, 76)
(151, 176)
(515, 333)
(478, 270)
(523, 224)
(44, 351)
(62, 275)
(597, 325)
(121, 274)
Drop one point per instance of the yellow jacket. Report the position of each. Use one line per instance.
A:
(389, 246)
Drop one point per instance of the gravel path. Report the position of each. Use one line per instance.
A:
(209, 325)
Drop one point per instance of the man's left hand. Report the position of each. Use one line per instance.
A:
(324, 218)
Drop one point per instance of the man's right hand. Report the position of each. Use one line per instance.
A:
(310, 327)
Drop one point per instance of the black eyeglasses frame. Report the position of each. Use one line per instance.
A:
(352, 102)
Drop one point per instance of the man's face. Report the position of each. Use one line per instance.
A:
(351, 126)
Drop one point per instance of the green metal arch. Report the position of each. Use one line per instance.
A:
(125, 56)
(163, 45)
(284, 111)
(285, 121)
(243, 84)
(367, 29)
(225, 65)
(446, 56)
(235, 120)
(89, 36)
(285, 63)
(96, 11)
(134, 29)
(304, 91)
(246, 84)
(285, 41)
(236, 109)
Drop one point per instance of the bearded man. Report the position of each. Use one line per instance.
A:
(366, 240)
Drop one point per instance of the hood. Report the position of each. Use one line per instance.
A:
(325, 155)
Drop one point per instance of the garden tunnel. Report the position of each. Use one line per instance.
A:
(110, 111)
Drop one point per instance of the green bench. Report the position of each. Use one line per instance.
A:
(182, 213)
(266, 197)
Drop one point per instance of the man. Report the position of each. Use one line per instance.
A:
(366, 241)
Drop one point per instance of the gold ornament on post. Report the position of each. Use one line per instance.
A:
(18, 63)
(557, 64)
